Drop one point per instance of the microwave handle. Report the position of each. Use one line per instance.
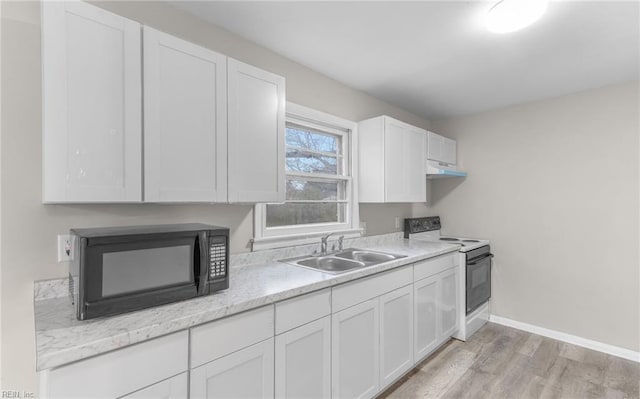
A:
(203, 253)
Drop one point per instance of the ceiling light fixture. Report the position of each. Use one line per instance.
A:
(512, 15)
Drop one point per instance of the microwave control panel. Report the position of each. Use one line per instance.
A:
(217, 257)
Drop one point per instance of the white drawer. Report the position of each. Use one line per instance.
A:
(221, 337)
(119, 372)
(353, 293)
(433, 266)
(301, 310)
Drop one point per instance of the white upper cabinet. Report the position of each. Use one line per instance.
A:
(441, 149)
(256, 112)
(392, 161)
(213, 126)
(91, 105)
(185, 121)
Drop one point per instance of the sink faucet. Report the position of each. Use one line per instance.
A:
(323, 243)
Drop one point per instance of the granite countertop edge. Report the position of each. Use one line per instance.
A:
(61, 339)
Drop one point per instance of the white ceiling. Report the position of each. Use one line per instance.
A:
(435, 58)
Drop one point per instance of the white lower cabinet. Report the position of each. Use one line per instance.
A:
(303, 361)
(247, 373)
(356, 351)
(425, 310)
(396, 334)
(121, 372)
(436, 310)
(449, 306)
(172, 388)
(349, 341)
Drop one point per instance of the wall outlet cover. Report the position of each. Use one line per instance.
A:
(65, 248)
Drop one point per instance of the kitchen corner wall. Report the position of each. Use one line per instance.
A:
(29, 228)
(554, 185)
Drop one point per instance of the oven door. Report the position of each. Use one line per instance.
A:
(478, 281)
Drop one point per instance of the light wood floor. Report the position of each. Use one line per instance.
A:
(502, 362)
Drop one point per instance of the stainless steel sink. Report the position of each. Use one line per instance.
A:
(366, 256)
(343, 261)
(330, 264)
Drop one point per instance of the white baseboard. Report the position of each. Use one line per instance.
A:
(568, 338)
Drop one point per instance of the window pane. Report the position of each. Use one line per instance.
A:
(314, 141)
(300, 161)
(315, 190)
(295, 214)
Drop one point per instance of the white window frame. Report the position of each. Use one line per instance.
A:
(283, 236)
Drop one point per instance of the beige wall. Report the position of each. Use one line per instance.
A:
(554, 184)
(29, 228)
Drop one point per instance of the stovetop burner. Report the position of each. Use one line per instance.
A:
(428, 229)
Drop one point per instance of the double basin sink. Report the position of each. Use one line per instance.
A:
(343, 261)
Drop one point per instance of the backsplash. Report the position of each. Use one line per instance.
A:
(58, 288)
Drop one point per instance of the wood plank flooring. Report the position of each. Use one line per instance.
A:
(502, 362)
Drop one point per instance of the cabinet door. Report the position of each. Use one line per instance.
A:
(172, 388)
(396, 334)
(185, 121)
(91, 105)
(355, 356)
(303, 361)
(247, 373)
(449, 151)
(426, 316)
(449, 306)
(256, 103)
(405, 160)
(435, 146)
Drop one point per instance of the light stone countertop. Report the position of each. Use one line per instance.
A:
(61, 338)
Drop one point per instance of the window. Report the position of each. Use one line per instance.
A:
(320, 195)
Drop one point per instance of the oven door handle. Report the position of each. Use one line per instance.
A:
(480, 259)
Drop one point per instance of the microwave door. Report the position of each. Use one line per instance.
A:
(135, 274)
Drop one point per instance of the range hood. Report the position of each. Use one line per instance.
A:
(439, 170)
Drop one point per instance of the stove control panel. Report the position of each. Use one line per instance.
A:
(419, 225)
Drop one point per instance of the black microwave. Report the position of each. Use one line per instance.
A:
(121, 269)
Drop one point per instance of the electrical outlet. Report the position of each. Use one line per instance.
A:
(65, 248)
(397, 222)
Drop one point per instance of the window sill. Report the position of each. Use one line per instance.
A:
(258, 244)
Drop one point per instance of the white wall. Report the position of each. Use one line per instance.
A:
(555, 185)
(29, 228)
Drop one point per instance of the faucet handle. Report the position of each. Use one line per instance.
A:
(340, 239)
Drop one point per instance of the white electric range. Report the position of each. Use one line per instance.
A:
(475, 271)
